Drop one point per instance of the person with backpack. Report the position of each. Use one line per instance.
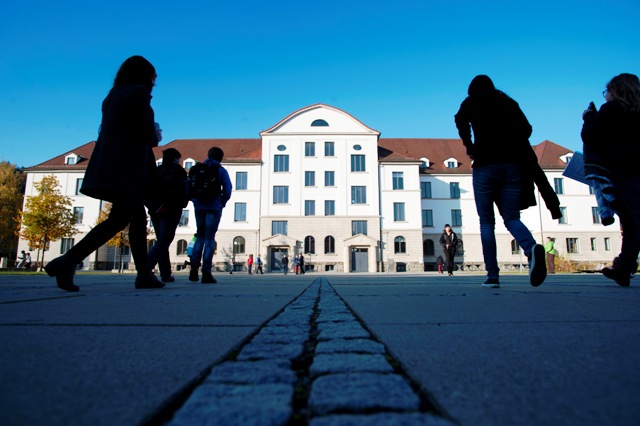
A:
(259, 265)
(209, 189)
(168, 196)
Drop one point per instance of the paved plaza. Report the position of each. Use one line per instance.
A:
(314, 349)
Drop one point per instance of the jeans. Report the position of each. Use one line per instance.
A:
(165, 225)
(207, 222)
(499, 184)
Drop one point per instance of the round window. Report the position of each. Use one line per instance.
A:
(281, 148)
(357, 147)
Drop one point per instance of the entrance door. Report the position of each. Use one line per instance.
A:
(276, 258)
(359, 260)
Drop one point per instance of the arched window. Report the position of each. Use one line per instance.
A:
(182, 248)
(319, 123)
(238, 245)
(428, 248)
(329, 244)
(400, 245)
(309, 244)
(515, 247)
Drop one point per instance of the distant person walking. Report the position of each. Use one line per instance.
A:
(500, 152)
(21, 258)
(449, 243)
(551, 253)
(440, 264)
(259, 265)
(250, 264)
(301, 263)
(118, 172)
(613, 135)
(285, 264)
(27, 261)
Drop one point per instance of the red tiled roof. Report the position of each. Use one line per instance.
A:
(437, 151)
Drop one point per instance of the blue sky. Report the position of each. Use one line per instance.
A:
(232, 69)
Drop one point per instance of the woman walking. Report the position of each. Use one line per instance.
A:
(500, 153)
(118, 172)
(449, 242)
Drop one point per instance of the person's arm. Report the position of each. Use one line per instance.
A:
(463, 124)
(227, 187)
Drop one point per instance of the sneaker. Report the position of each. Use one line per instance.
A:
(193, 274)
(538, 266)
(148, 280)
(491, 283)
(207, 278)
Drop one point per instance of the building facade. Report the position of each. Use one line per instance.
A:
(323, 184)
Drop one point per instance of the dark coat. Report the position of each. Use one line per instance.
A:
(501, 130)
(122, 159)
(533, 174)
(168, 188)
(611, 139)
(451, 239)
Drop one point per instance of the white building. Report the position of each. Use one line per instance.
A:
(322, 183)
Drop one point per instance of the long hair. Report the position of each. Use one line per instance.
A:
(481, 85)
(135, 70)
(626, 89)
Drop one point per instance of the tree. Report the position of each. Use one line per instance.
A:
(11, 198)
(47, 216)
(121, 239)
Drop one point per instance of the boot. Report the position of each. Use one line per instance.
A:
(207, 278)
(147, 279)
(620, 274)
(63, 273)
(193, 274)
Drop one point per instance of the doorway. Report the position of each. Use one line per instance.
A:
(359, 260)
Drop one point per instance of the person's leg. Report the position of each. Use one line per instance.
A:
(138, 241)
(448, 261)
(484, 194)
(198, 246)
(551, 267)
(165, 226)
(509, 195)
(212, 221)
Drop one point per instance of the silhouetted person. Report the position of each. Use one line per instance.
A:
(500, 151)
(613, 136)
(166, 201)
(118, 172)
(449, 243)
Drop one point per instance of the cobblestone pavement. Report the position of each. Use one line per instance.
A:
(314, 363)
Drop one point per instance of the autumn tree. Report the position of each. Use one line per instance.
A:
(47, 216)
(121, 239)
(11, 198)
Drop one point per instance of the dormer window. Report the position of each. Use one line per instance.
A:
(188, 163)
(319, 123)
(566, 157)
(451, 163)
(425, 163)
(71, 159)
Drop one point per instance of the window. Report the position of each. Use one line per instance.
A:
(309, 244)
(456, 217)
(358, 194)
(279, 227)
(358, 227)
(241, 180)
(280, 195)
(428, 248)
(78, 215)
(399, 245)
(329, 179)
(309, 149)
(594, 244)
(572, 245)
(238, 245)
(240, 212)
(398, 180)
(451, 164)
(357, 147)
(309, 207)
(329, 208)
(79, 185)
(515, 247)
(319, 123)
(188, 165)
(564, 219)
(280, 163)
(65, 245)
(70, 160)
(595, 216)
(329, 268)
(607, 244)
(427, 217)
(329, 244)
(398, 212)
(357, 163)
(558, 186)
(425, 190)
(329, 149)
(309, 178)
(181, 247)
(184, 218)
(454, 189)
(281, 148)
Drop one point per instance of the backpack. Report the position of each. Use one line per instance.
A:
(204, 182)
